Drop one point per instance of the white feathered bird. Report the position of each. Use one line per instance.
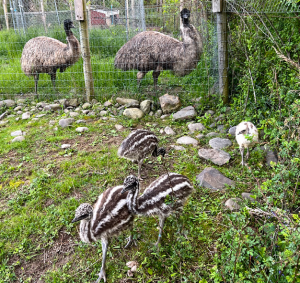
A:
(246, 135)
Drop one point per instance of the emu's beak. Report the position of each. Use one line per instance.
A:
(72, 26)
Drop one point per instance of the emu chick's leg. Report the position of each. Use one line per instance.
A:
(36, 79)
(53, 78)
(247, 155)
(140, 75)
(102, 274)
(130, 240)
(139, 170)
(242, 153)
(161, 226)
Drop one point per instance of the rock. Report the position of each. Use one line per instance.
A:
(19, 112)
(21, 101)
(220, 143)
(18, 139)
(18, 118)
(85, 111)
(86, 105)
(73, 102)
(107, 103)
(169, 103)
(65, 145)
(17, 133)
(169, 131)
(185, 113)
(232, 131)
(196, 127)
(271, 156)
(133, 105)
(103, 113)
(25, 115)
(158, 113)
(2, 123)
(66, 122)
(8, 103)
(151, 113)
(248, 197)
(200, 136)
(73, 114)
(125, 101)
(212, 125)
(40, 115)
(177, 147)
(35, 119)
(210, 112)
(52, 122)
(187, 140)
(119, 127)
(216, 156)
(221, 129)
(66, 111)
(55, 107)
(104, 118)
(80, 122)
(81, 129)
(161, 131)
(133, 113)
(213, 179)
(212, 134)
(233, 204)
(12, 116)
(145, 106)
(18, 108)
(94, 101)
(164, 116)
(91, 113)
(41, 104)
(220, 117)
(77, 109)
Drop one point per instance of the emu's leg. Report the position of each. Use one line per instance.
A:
(161, 226)
(102, 274)
(140, 75)
(155, 76)
(247, 155)
(36, 79)
(53, 78)
(130, 239)
(242, 153)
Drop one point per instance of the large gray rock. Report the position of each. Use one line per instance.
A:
(185, 113)
(169, 103)
(213, 179)
(25, 115)
(233, 204)
(74, 114)
(146, 106)
(66, 122)
(220, 143)
(177, 147)
(125, 101)
(18, 108)
(18, 139)
(232, 131)
(119, 127)
(133, 113)
(187, 140)
(17, 133)
(196, 127)
(133, 105)
(169, 131)
(107, 103)
(8, 103)
(72, 102)
(86, 105)
(55, 107)
(216, 156)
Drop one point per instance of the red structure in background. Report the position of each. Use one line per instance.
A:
(103, 16)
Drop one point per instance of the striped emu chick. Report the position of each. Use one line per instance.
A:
(246, 135)
(165, 195)
(155, 51)
(46, 55)
(109, 216)
(138, 145)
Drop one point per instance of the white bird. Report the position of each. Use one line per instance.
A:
(162, 197)
(246, 135)
(109, 216)
(138, 145)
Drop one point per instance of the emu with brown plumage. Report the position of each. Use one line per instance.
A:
(46, 55)
(155, 51)
(109, 216)
(164, 196)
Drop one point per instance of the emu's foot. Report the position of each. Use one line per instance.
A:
(130, 243)
(102, 275)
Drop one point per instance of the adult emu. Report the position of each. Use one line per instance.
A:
(155, 51)
(46, 55)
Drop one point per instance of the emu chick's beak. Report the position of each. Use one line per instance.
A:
(124, 190)
(74, 220)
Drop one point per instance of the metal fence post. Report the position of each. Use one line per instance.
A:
(81, 16)
(5, 14)
(222, 48)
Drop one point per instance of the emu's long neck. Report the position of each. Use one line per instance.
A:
(132, 201)
(73, 43)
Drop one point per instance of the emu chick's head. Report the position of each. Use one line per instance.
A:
(83, 211)
(131, 183)
(185, 15)
(68, 24)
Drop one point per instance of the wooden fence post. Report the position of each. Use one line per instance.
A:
(5, 14)
(81, 16)
(217, 7)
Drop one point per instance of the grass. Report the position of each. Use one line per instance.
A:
(42, 184)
